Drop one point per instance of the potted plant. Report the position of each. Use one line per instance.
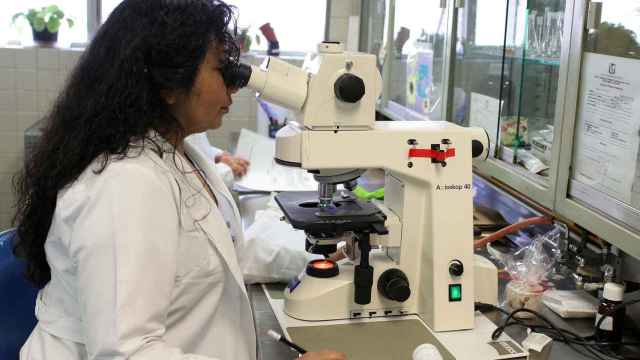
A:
(45, 23)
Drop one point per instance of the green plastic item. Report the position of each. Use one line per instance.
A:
(361, 193)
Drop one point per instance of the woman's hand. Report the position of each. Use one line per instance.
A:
(323, 355)
(238, 165)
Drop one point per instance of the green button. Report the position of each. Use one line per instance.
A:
(455, 292)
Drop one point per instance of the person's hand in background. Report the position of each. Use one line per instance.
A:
(238, 165)
(323, 355)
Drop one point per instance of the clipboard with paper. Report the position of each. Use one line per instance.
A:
(264, 174)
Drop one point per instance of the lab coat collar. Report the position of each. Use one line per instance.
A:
(225, 247)
(208, 224)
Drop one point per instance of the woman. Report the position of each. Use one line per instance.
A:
(127, 228)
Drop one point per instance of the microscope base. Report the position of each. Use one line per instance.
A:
(317, 299)
(393, 337)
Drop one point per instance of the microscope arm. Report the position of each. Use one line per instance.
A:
(394, 146)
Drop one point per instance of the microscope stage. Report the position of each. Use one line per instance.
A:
(346, 214)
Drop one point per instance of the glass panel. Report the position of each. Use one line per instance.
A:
(604, 171)
(478, 66)
(418, 62)
(506, 77)
(619, 30)
(415, 84)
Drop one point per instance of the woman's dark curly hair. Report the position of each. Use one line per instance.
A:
(113, 96)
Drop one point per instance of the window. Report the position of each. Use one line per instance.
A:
(106, 7)
(298, 33)
(294, 33)
(21, 30)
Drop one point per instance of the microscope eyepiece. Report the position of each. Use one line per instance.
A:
(236, 75)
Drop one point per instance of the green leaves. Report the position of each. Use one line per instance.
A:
(51, 9)
(53, 25)
(38, 24)
(16, 16)
(31, 15)
(48, 17)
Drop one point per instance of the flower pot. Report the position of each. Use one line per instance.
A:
(44, 36)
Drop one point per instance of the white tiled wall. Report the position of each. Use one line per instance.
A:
(29, 81)
(31, 77)
(339, 18)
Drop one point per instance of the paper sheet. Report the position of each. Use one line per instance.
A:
(484, 112)
(264, 174)
(607, 126)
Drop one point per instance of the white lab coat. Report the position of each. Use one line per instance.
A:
(201, 142)
(143, 267)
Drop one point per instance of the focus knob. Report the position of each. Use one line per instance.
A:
(456, 268)
(394, 285)
(349, 88)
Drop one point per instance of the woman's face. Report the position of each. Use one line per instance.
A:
(202, 108)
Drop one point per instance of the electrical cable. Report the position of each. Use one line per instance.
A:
(498, 331)
(580, 341)
(571, 339)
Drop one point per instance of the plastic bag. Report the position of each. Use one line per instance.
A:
(529, 268)
(534, 263)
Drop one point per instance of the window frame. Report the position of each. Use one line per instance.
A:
(94, 17)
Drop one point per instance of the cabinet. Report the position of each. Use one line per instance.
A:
(599, 185)
(524, 70)
(510, 65)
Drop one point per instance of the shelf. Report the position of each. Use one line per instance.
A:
(542, 61)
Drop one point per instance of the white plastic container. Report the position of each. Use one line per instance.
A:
(426, 352)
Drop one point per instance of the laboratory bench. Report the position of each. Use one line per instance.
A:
(269, 349)
(486, 195)
(265, 320)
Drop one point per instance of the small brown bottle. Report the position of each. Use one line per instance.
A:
(610, 329)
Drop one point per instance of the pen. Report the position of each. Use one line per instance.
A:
(283, 340)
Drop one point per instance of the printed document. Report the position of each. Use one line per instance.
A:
(607, 126)
(484, 112)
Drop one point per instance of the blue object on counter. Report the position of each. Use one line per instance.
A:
(274, 124)
(17, 300)
(267, 109)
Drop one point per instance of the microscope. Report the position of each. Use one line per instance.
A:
(415, 247)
